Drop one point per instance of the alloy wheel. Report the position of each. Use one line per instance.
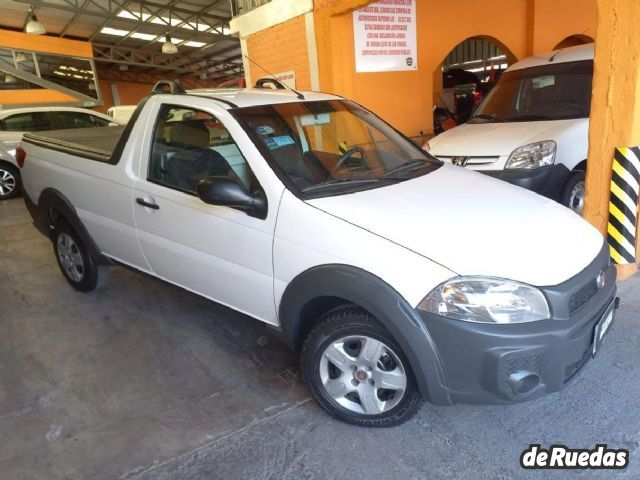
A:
(70, 257)
(576, 197)
(7, 183)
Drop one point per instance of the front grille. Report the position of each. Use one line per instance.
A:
(469, 160)
(531, 363)
(582, 296)
(571, 370)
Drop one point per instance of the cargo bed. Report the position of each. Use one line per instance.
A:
(97, 143)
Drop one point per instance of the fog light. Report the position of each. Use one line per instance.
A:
(523, 382)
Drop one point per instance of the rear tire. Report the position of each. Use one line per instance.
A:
(574, 192)
(356, 371)
(79, 267)
(10, 183)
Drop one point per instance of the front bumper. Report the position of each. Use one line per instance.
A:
(482, 363)
(548, 181)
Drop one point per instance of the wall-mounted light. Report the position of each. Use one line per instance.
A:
(33, 26)
(168, 47)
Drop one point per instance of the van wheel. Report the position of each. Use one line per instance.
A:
(76, 263)
(10, 184)
(574, 192)
(356, 371)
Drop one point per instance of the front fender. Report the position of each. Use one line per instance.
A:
(365, 290)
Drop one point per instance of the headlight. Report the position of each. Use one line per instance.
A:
(426, 147)
(534, 155)
(487, 300)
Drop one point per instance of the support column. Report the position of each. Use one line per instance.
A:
(615, 107)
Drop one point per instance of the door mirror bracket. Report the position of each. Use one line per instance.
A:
(228, 192)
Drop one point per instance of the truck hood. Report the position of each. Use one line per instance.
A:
(474, 225)
(494, 139)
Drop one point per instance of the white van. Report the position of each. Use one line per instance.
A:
(532, 129)
(122, 113)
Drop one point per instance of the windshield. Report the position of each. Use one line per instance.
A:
(549, 92)
(332, 147)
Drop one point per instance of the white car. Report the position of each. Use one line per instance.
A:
(17, 121)
(532, 129)
(122, 113)
(398, 277)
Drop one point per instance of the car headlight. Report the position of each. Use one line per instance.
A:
(487, 300)
(534, 155)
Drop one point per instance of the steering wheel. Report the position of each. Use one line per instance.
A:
(346, 156)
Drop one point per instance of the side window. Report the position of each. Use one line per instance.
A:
(64, 120)
(190, 145)
(26, 122)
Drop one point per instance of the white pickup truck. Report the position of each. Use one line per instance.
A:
(398, 277)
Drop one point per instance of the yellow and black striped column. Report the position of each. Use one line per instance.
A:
(623, 205)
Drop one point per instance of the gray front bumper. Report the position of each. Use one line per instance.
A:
(480, 361)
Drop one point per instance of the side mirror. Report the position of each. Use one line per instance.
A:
(228, 192)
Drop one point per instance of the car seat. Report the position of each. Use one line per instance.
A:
(192, 159)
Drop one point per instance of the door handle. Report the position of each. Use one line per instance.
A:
(144, 203)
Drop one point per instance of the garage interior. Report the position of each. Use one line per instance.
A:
(143, 380)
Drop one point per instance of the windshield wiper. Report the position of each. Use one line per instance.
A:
(335, 181)
(489, 117)
(408, 165)
(526, 118)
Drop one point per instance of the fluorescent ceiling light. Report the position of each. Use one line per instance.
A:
(146, 17)
(195, 44)
(171, 39)
(114, 31)
(143, 36)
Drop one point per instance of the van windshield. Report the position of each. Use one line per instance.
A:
(323, 148)
(549, 92)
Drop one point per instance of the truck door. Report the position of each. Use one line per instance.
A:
(218, 252)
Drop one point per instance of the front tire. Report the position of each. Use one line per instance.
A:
(356, 371)
(10, 183)
(79, 267)
(574, 192)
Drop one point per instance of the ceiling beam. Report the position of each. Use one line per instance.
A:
(111, 14)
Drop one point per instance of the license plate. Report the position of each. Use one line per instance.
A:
(602, 327)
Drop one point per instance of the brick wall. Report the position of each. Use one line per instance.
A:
(279, 49)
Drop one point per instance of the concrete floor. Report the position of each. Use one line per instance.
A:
(144, 381)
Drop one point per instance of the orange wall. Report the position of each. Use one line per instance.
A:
(405, 99)
(281, 48)
(556, 20)
(130, 93)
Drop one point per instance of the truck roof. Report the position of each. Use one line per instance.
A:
(101, 143)
(249, 97)
(564, 55)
